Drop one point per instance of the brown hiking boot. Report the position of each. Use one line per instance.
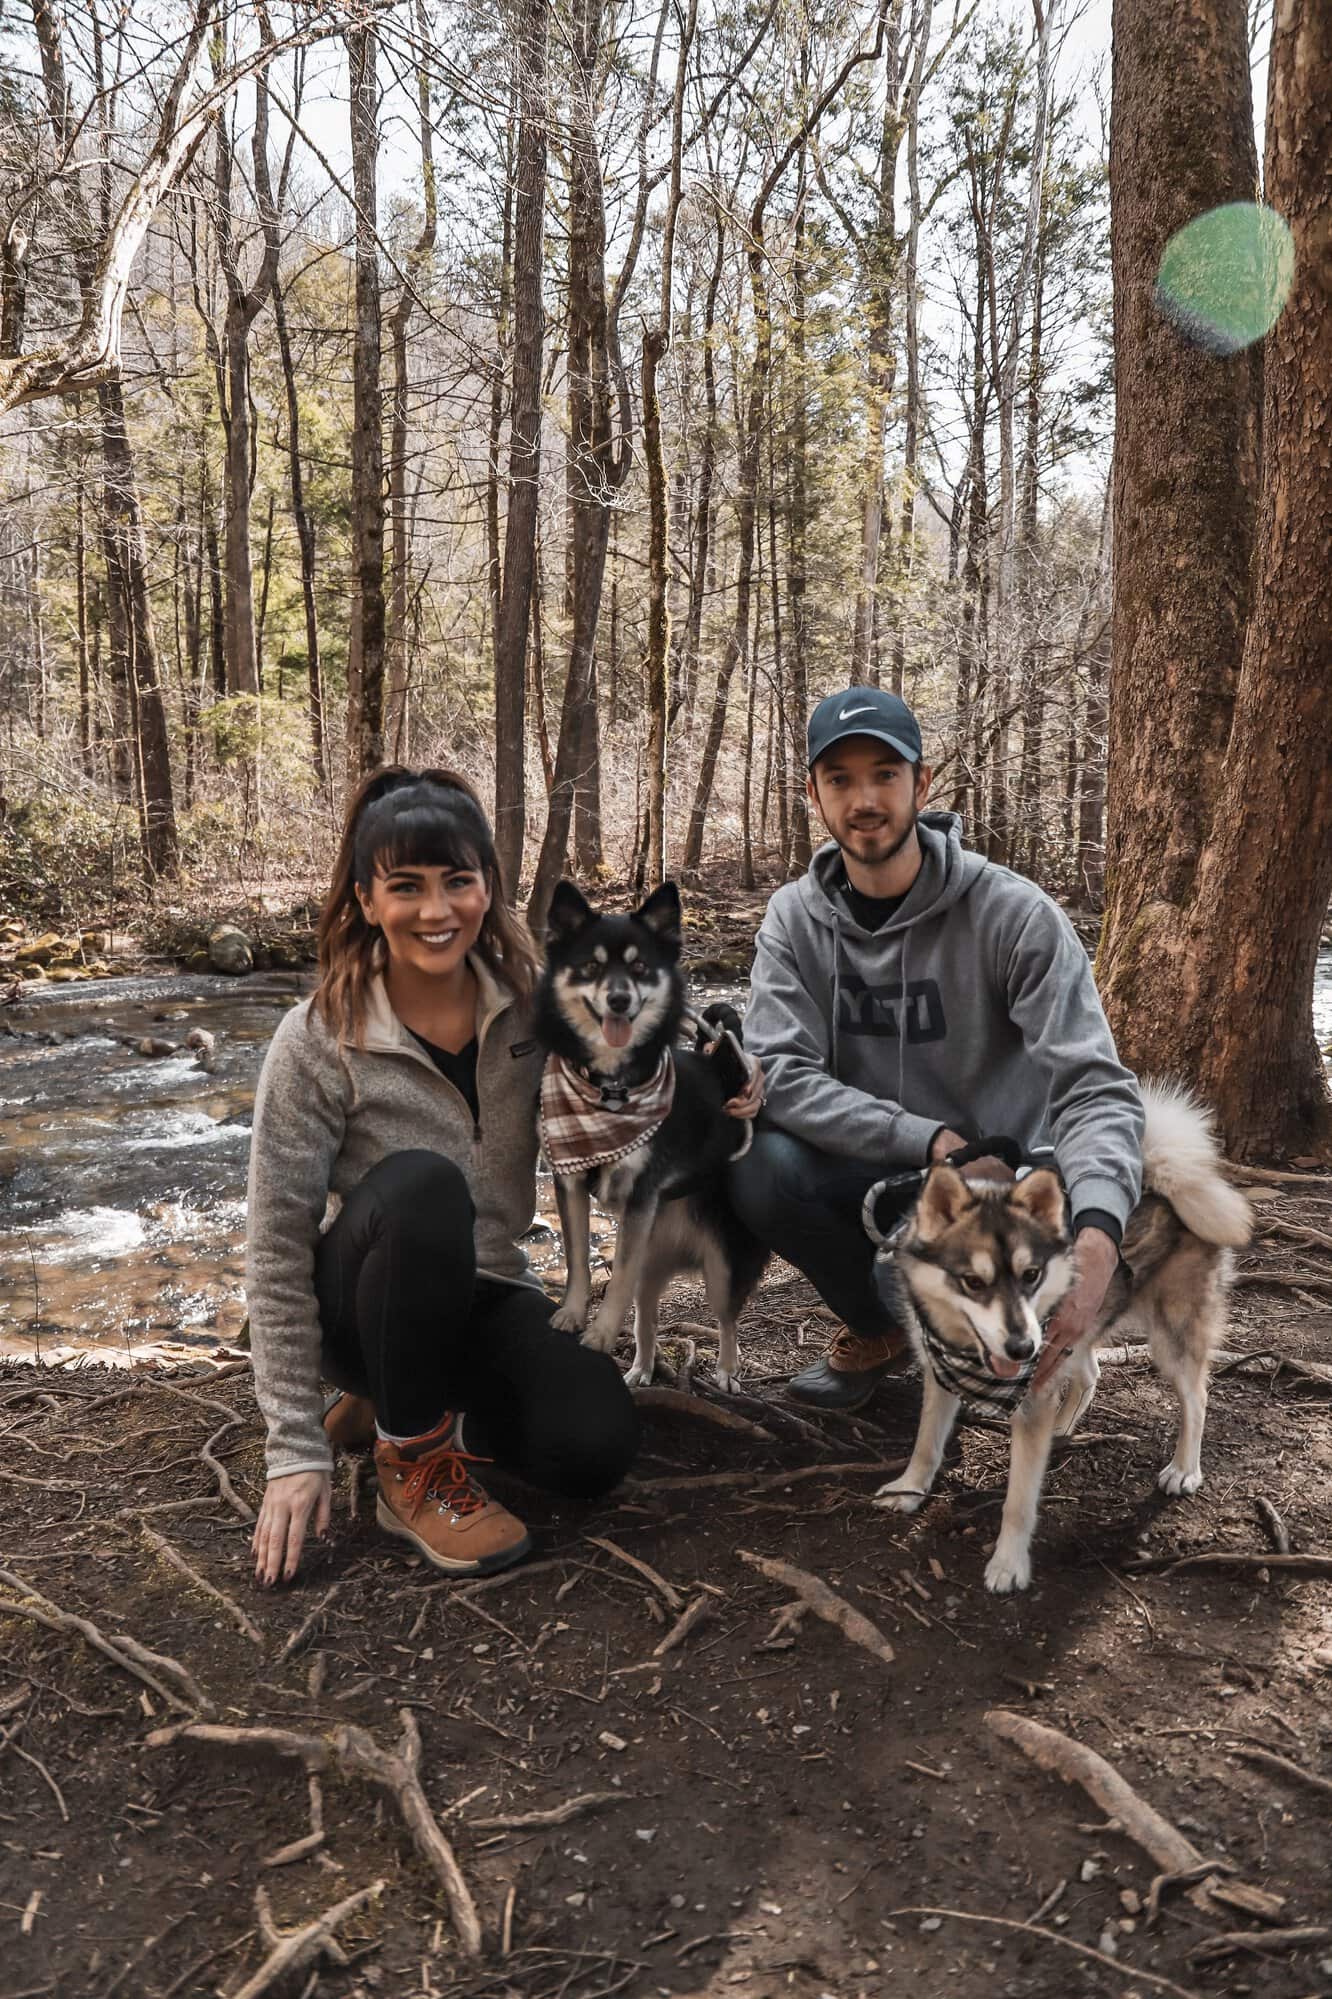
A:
(349, 1422)
(428, 1496)
(851, 1370)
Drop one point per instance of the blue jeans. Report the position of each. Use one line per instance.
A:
(805, 1205)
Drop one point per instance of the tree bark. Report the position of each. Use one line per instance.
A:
(1185, 486)
(305, 537)
(1241, 1014)
(596, 466)
(398, 724)
(365, 657)
(520, 535)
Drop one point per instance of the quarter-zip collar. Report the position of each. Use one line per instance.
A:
(386, 1035)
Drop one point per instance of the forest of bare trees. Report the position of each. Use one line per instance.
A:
(571, 390)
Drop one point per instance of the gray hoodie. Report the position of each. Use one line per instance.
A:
(1004, 1028)
(324, 1114)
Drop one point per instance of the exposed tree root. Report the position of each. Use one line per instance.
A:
(153, 1668)
(300, 1849)
(244, 1624)
(645, 1569)
(680, 1404)
(824, 1602)
(1132, 1972)
(220, 1472)
(353, 1752)
(1221, 1558)
(1269, 1760)
(1050, 1749)
(292, 1950)
(298, 1637)
(572, 1808)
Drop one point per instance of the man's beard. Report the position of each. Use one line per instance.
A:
(889, 854)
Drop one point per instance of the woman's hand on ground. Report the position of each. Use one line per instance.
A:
(750, 1100)
(284, 1519)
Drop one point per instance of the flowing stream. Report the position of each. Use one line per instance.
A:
(122, 1176)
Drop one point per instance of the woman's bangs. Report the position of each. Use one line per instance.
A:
(428, 834)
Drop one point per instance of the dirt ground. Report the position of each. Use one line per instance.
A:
(777, 1810)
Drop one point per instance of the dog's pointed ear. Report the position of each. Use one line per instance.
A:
(1042, 1197)
(569, 911)
(944, 1197)
(661, 913)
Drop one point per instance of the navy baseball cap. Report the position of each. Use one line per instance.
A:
(864, 711)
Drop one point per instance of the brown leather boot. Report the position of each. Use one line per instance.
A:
(428, 1497)
(851, 1369)
(349, 1422)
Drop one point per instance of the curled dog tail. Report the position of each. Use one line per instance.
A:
(1181, 1161)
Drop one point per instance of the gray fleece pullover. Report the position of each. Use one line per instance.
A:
(324, 1114)
(1004, 1031)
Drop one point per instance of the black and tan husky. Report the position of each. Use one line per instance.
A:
(979, 1266)
(639, 1123)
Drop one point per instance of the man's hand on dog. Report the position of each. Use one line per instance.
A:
(1095, 1259)
(750, 1100)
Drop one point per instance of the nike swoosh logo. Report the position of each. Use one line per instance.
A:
(847, 713)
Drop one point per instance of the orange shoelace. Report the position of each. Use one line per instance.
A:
(443, 1475)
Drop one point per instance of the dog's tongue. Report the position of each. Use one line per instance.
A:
(617, 1030)
(1001, 1365)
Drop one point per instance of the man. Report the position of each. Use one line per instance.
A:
(907, 996)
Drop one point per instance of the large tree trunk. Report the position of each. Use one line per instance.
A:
(879, 280)
(1241, 1017)
(596, 468)
(365, 658)
(398, 729)
(1185, 484)
(798, 858)
(519, 574)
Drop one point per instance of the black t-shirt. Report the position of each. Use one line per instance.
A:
(460, 1069)
(870, 911)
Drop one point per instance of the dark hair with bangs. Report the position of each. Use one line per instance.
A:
(402, 818)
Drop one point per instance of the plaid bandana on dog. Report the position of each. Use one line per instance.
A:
(584, 1124)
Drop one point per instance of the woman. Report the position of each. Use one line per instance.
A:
(407, 1085)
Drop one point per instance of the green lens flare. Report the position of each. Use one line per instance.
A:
(1225, 276)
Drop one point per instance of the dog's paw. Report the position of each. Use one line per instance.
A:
(1179, 1483)
(601, 1334)
(1008, 1569)
(570, 1317)
(899, 1497)
(640, 1376)
(728, 1383)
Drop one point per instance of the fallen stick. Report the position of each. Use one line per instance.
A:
(683, 1625)
(293, 1950)
(1219, 1558)
(310, 1842)
(680, 1404)
(245, 1625)
(1050, 1749)
(297, 1638)
(121, 1650)
(1269, 1760)
(1129, 1971)
(1256, 1176)
(355, 1753)
(1274, 1526)
(1231, 1942)
(1135, 1353)
(824, 1602)
(572, 1808)
(784, 1421)
(219, 1470)
(645, 1569)
(767, 1482)
(1295, 1232)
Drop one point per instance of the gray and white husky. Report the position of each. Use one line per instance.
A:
(609, 1006)
(979, 1266)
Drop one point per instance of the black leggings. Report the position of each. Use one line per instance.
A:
(407, 1321)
